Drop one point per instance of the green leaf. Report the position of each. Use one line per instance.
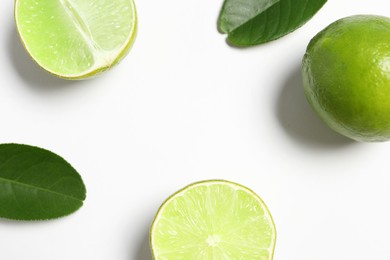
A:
(36, 184)
(252, 22)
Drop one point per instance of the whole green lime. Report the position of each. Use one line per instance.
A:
(346, 77)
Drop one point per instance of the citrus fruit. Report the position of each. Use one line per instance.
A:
(213, 220)
(76, 39)
(346, 77)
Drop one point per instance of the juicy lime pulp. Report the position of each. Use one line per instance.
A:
(346, 76)
(213, 220)
(76, 38)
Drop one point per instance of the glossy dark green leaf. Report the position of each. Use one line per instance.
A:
(252, 22)
(36, 184)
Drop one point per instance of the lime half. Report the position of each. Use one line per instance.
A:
(213, 220)
(76, 38)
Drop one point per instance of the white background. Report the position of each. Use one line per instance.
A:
(184, 106)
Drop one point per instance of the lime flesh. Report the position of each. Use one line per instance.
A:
(346, 77)
(76, 38)
(213, 220)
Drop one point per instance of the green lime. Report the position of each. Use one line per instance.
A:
(76, 39)
(213, 220)
(346, 77)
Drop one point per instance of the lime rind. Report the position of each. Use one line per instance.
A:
(267, 228)
(346, 77)
(69, 46)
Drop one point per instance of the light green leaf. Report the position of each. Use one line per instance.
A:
(252, 22)
(36, 184)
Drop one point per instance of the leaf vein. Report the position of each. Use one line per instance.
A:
(12, 182)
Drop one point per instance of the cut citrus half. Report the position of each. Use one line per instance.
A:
(76, 38)
(214, 220)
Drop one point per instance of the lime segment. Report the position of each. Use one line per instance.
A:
(76, 38)
(213, 220)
